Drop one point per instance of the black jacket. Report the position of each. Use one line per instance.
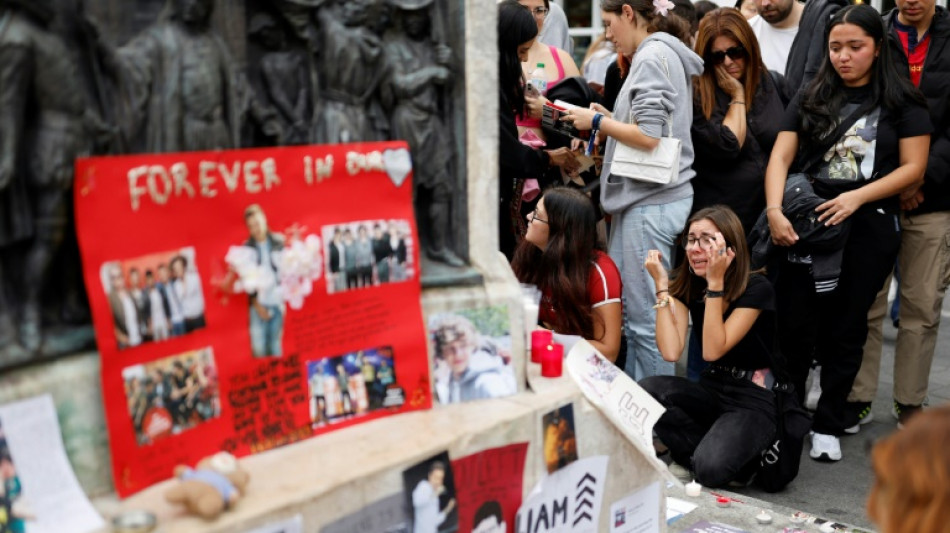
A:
(810, 44)
(725, 173)
(934, 83)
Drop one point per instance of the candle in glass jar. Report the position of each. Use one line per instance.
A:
(552, 361)
(540, 340)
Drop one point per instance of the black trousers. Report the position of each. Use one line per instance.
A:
(832, 327)
(718, 427)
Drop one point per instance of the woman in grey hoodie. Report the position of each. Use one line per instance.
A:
(656, 94)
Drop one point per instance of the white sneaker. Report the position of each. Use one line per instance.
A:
(814, 393)
(825, 447)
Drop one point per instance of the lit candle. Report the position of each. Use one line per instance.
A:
(540, 340)
(552, 361)
(763, 518)
(693, 489)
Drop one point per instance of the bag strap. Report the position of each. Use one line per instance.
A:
(669, 119)
(812, 157)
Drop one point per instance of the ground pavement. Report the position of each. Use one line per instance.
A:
(839, 490)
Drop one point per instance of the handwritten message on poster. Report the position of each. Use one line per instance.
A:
(247, 299)
(490, 486)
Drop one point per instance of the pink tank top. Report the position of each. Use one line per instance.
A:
(528, 122)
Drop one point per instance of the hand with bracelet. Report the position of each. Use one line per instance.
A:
(654, 267)
(718, 258)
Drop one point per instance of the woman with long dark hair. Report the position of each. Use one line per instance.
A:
(580, 285)
(719, 426)
(734, 117)
(656, 100)
(860, 135)
(517, 32)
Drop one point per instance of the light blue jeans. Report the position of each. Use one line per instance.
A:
(632, 233)
(266, 335)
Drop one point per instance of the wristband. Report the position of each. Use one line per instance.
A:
(774, 207)
(662, 291)
(736, 102)
(594, 128)
(714, 294)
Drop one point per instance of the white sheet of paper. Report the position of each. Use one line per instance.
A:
(567, 501)
(625, 403)
(290, 525)
(677, 508)
(50, 489)
(637, 512)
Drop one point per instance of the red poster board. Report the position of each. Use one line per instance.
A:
(216, 334)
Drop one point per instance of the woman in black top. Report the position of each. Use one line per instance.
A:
(517, 31)
(719, 426)
(735, 113)
(860, 132)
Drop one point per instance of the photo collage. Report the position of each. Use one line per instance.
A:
(368, 253)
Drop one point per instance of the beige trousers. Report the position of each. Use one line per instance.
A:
(924, 262)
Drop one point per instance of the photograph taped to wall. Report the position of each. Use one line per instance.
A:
(172, 395)
(368, 253)
(430, 491)
(154, 297)
(352, 384)
(560, 441)
(472, 354)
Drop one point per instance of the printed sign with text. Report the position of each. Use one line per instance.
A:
(247, 299)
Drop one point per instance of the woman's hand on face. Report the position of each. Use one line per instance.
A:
(564, 158)
(654, 267)
(836, 210)
(727, 83)
(583, 119)
(534, 105)
(782, 232)
(718, 258)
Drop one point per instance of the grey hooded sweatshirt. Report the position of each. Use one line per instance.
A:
(647, 96)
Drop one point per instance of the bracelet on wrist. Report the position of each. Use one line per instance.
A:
(737, 102)
(595, 122)
(662, 291)
(663, 302)
(714, 294)
(769, 207)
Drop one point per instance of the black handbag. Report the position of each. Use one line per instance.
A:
(781, 460)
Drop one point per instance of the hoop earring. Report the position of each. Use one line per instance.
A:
(691, 271)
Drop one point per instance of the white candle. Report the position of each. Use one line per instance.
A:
(693, 489)
(763, 518)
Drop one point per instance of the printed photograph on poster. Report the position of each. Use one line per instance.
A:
(472, 354)
(14, 508)
(171, 395)
(490, 486)
(276, 270)
(368, 253)
(430, 491)
(154, 297)
(39, 492)
(560, 442)
(352, 384)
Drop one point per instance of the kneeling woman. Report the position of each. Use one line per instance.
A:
(580, 285)
(719, 426)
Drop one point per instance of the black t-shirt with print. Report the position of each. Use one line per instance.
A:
(869, 149)
(754, 350)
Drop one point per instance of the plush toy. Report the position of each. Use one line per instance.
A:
(216, 484)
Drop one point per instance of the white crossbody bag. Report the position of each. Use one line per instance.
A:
(660, 165)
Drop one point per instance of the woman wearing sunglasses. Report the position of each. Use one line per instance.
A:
(580, 285)
(734, 117)
(860, 133)
(719, 426)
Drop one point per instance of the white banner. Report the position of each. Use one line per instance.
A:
(567, 501)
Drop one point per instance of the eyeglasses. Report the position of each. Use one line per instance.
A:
(705, 241)
(734, 53)
(540, 12)
(534, 216)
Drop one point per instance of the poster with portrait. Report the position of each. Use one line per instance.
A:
(490, 487)
(247, 299)
(472, 357)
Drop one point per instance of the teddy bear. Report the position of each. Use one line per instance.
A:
(216, 484)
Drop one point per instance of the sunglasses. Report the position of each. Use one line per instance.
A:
(734, 53)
